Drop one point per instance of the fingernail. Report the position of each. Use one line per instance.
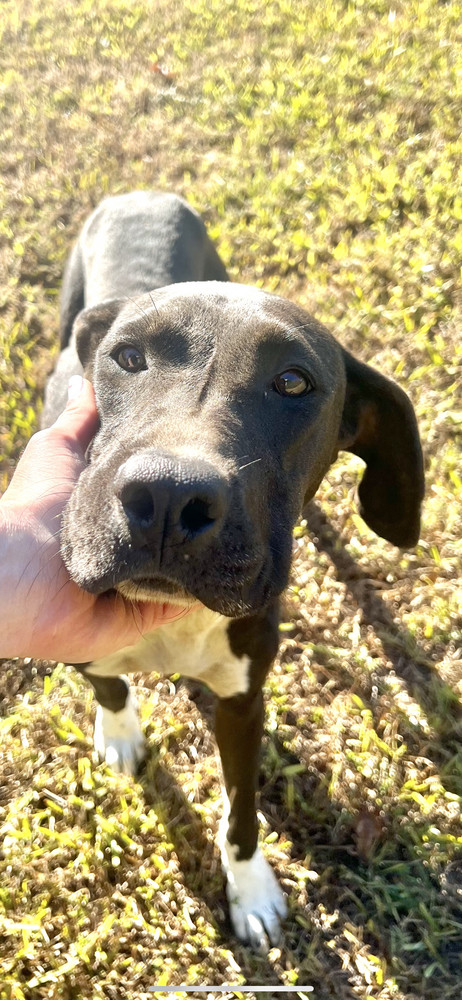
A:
(74, 387)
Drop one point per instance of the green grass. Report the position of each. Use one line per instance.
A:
(322, 144)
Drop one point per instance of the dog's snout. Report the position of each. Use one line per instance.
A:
(166, 500)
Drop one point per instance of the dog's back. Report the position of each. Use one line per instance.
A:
(130, 245)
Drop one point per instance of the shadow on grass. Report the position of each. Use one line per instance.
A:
(434, 695)
(305, 944)
(200, 864)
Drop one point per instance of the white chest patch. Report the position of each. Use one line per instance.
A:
(195, 646)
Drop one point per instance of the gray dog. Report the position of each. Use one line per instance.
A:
(221, 408)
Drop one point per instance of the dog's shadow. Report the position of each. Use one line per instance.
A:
(409, 661)
(184, 827)
(199, 862)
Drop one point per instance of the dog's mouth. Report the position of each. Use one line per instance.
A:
(157, 589)
(230, 598)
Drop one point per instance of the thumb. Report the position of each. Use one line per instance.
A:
(58, 452)
(79, 420)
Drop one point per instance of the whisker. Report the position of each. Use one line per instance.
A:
(153, 302)
(296, 326)
(37, 554)
(134, 607)
(143, 312)
(52, 491)
(246, 466)
(63, 586)
(40, 571)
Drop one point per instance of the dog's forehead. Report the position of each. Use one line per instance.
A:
(224, 314)
(218, 295)
(205, 307)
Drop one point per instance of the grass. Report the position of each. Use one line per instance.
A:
(322, 145)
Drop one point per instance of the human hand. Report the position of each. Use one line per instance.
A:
(42, 612)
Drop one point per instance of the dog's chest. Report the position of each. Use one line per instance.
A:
(196, 645)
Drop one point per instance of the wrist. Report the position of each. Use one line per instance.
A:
(18, 550)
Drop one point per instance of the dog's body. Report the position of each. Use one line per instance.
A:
(221, 409)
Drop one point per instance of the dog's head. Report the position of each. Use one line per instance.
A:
(221, 409)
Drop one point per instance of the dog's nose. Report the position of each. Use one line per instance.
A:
(168, 500)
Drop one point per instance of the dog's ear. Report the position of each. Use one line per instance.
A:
(380, 426)
(90, 327)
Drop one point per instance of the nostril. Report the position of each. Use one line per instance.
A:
(196, 516)
(138, 503)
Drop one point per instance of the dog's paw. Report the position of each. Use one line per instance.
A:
(118, 738)
(256, 902)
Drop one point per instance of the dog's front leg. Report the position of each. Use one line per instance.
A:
(118, 738)
(256, 902)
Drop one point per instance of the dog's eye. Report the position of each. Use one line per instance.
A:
(131, 359)
(292, 383)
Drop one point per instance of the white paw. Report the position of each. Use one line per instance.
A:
(118, 738)
(256, 903)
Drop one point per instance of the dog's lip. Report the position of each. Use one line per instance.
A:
(233, 597)
(159, 588)
(155, 588)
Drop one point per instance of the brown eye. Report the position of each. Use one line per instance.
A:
(292, 383)
(131, 359)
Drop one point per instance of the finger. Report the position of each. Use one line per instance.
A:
(125, 622)
(80, 418)
(57, 454)
(152, 615)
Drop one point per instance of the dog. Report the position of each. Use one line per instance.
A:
(221, 409)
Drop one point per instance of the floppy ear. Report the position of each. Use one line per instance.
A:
(380, 426)
(90, 327)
